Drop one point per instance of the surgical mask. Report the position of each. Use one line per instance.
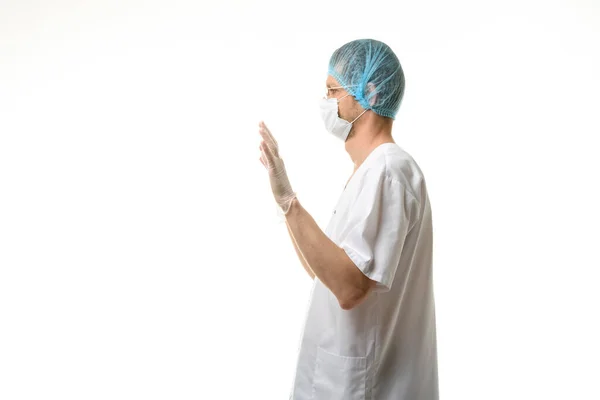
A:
(335, 125)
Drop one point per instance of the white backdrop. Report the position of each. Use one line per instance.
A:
(141, 256)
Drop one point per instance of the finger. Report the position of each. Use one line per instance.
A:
(269, 133)
(265, 138)
(270, 142)
(265, 135)
(268, 154)
(272, 147)
(262, 157)
(266, 131)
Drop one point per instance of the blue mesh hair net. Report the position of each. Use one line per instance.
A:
(368, 68)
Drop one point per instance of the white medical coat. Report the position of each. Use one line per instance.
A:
(384, 348)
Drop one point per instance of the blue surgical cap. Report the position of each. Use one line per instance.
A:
(367, 68)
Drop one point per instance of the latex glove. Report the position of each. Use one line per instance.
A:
(280, 184)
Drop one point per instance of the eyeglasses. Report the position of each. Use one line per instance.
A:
(333, 89)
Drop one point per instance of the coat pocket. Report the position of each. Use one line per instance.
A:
(339, 377)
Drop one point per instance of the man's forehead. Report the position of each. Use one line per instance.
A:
(331, 82)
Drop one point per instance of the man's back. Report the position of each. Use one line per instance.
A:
(384, 348)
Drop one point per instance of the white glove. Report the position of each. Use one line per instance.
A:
(280, 184)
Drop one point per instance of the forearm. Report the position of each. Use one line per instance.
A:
(327, 261)
(300, 256)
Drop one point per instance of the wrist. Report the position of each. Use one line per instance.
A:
(292, 206)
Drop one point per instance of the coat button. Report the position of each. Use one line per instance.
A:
(334, 211)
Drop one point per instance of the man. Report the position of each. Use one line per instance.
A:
(370, 330)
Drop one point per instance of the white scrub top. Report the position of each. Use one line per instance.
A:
(384, 348)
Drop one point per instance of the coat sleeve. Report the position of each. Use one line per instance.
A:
(377, 226)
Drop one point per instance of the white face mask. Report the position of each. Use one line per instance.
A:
(335, 125)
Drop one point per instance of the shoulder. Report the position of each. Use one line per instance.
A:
(397, 166)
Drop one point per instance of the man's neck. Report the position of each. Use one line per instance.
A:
(366, 139)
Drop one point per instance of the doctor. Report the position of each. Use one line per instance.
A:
(370, 331)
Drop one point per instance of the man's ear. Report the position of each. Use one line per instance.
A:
(371, 88)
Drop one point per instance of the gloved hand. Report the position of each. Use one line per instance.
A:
(280, 184)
